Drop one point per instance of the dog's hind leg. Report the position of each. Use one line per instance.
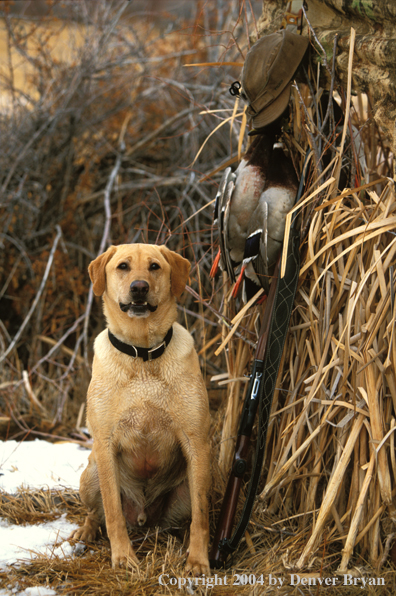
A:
(91, 498)
(177, 508)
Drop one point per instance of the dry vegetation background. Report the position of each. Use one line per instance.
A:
(102, 124)
(98, 136)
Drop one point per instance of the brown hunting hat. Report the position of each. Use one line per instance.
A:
(267, 72)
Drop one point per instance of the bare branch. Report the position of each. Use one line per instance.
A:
(37, 298)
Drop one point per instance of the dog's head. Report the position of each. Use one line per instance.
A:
(139, 277)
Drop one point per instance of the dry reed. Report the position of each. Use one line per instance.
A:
(330, 463)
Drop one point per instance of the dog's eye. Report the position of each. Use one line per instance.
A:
(154, 267)
(123, 266)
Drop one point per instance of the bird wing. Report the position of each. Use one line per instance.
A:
(220, 194)
(227, 205)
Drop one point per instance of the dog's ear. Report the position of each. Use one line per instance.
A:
(97, 272)
(180, 269)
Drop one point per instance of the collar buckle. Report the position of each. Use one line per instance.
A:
(135, 355)
(151, 353)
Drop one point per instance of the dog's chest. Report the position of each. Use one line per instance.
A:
(136, 408)
(145, 434)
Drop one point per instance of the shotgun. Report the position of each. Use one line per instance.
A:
(225, 522)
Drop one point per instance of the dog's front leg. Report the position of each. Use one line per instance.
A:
(122, 553)
(199, 475)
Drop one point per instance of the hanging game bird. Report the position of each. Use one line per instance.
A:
(250, 212)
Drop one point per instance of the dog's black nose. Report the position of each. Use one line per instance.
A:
(139, 288)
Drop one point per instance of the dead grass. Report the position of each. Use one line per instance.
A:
(162, 553)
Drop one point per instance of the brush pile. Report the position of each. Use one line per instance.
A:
(101, 120)
(98, 150)
(330, 466)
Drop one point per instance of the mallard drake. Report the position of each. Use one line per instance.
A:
(250, 211)
(267, 224)
(236, 199)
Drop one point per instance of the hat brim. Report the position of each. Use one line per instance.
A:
(274, 110)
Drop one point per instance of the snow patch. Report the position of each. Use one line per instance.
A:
(27, 542)
(39, 464)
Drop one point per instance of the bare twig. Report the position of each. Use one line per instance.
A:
(103, 242)
(37, 297)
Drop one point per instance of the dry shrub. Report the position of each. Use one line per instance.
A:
(98, 144)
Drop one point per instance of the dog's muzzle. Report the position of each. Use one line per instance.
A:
(139, 305)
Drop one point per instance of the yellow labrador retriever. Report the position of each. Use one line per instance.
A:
(147, 407)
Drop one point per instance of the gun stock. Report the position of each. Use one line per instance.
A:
(228, 509)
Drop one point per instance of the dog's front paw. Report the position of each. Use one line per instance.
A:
(87, 533)
(123, 556)
(197, 565)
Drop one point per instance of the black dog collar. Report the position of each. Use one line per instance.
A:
(145, 353)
